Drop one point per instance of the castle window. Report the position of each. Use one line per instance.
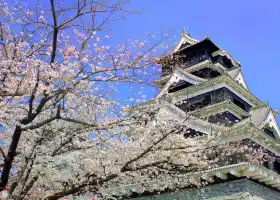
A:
(239, 104)
(223, 60)
(212, 97)
(269, 131)
(224, 118)
(277, 166)
(206, 73)
(179, 86)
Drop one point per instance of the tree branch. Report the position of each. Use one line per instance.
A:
(62, 145)
(32, 97)
(76, 188)
(98, 127)
(3, 154)
(125, 167)
(10, 157)
(55, 33)
(42, 123)
(29, 186)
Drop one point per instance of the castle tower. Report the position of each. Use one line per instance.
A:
(206, 83)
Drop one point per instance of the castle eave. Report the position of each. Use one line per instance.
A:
(255, 172)
(214, 83)
(220, 107)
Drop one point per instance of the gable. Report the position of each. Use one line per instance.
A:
(240, 79)
(179, 77)
(271, 122)
(186, 40)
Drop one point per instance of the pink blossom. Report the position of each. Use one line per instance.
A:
(141, 44)
(41, 18)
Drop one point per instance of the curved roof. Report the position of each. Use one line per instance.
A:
(259, 115)
(178, 75)
(265, 116)
(227, 54)
(233, 73)
(185, 39)
(190, 76)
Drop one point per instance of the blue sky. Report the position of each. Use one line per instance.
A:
(249, 30)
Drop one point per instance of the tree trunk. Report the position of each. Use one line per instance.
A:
(10, 157)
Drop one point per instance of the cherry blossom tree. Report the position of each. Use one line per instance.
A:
(62, 130)
(58, 74)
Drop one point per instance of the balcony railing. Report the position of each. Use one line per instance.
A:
(211, 98)
(187, 62)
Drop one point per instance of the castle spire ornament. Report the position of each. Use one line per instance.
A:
(184, 31)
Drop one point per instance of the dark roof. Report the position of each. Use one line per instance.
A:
(207, 42)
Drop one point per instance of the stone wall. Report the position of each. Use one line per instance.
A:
(243, 189)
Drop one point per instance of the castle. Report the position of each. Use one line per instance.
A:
(206, 83)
